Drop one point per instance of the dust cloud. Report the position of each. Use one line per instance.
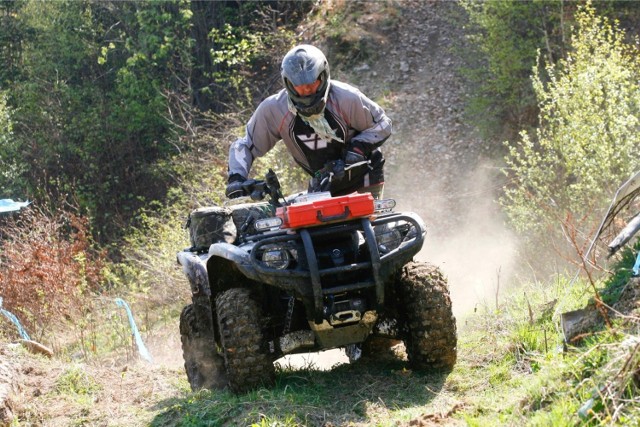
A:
(164, 345)
(466, 234)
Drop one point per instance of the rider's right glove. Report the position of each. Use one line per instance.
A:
(234, 186)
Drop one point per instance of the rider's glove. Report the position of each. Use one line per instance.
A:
(234, 186)
(337, 168)
(355, 153)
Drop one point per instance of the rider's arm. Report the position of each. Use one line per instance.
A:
(372, 125)
(262, 133)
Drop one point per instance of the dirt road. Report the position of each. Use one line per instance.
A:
(437, 165)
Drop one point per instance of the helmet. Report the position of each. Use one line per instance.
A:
(304, 65)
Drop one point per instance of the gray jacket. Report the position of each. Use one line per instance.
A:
(352, 115)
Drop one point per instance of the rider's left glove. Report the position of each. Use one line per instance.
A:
(234, 186)
(355, 153)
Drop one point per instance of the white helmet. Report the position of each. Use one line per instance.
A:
(303, 65)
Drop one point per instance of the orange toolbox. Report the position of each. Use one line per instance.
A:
(323, 211)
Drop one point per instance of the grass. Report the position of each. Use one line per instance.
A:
(382, 393)
(76, 381)
(513, 370)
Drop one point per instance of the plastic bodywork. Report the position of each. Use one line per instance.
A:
(310, 280)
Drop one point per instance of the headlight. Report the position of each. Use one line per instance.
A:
(276, 257)
(268, 223)
(384, 205)
(387, 237)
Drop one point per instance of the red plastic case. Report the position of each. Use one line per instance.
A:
(332, 209)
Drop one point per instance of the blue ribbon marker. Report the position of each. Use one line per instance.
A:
(15, 321)
(141, 348)
(636, 267)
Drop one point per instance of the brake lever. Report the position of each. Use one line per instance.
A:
(325, 184)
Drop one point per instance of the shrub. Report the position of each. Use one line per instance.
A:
(504, 37)
(47, 267)
(587, 144)
(9, 164)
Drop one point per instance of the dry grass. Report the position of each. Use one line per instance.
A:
(47, 268)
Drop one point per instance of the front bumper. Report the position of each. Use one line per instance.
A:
(312, 283)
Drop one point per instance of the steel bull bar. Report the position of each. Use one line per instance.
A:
(308, 283)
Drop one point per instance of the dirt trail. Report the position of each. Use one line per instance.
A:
(437, 166)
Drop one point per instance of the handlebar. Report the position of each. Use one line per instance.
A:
(258, 189)
(322, 179)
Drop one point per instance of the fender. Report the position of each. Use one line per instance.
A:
(227, 265)
(195, 269)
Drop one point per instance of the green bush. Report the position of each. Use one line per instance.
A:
(505, 36)
(564, 174)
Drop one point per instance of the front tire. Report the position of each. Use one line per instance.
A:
(246, 357)
(429, 329)
(204, 367)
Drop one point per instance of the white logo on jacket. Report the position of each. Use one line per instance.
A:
(313, 141)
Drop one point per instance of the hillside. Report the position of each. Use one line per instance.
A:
(437, 166)
(416, 68)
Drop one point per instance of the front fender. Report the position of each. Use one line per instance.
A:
(195, 269)
(227, 265)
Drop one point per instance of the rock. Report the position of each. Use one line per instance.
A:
(629, 302)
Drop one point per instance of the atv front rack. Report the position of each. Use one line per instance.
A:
(308, 283)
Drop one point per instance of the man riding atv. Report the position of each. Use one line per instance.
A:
(320, 120)
(330, 268)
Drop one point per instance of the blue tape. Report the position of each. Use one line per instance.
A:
(15, 321)
(636, 267)
(134, 329)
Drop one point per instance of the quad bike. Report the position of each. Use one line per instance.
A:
(307, 273)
